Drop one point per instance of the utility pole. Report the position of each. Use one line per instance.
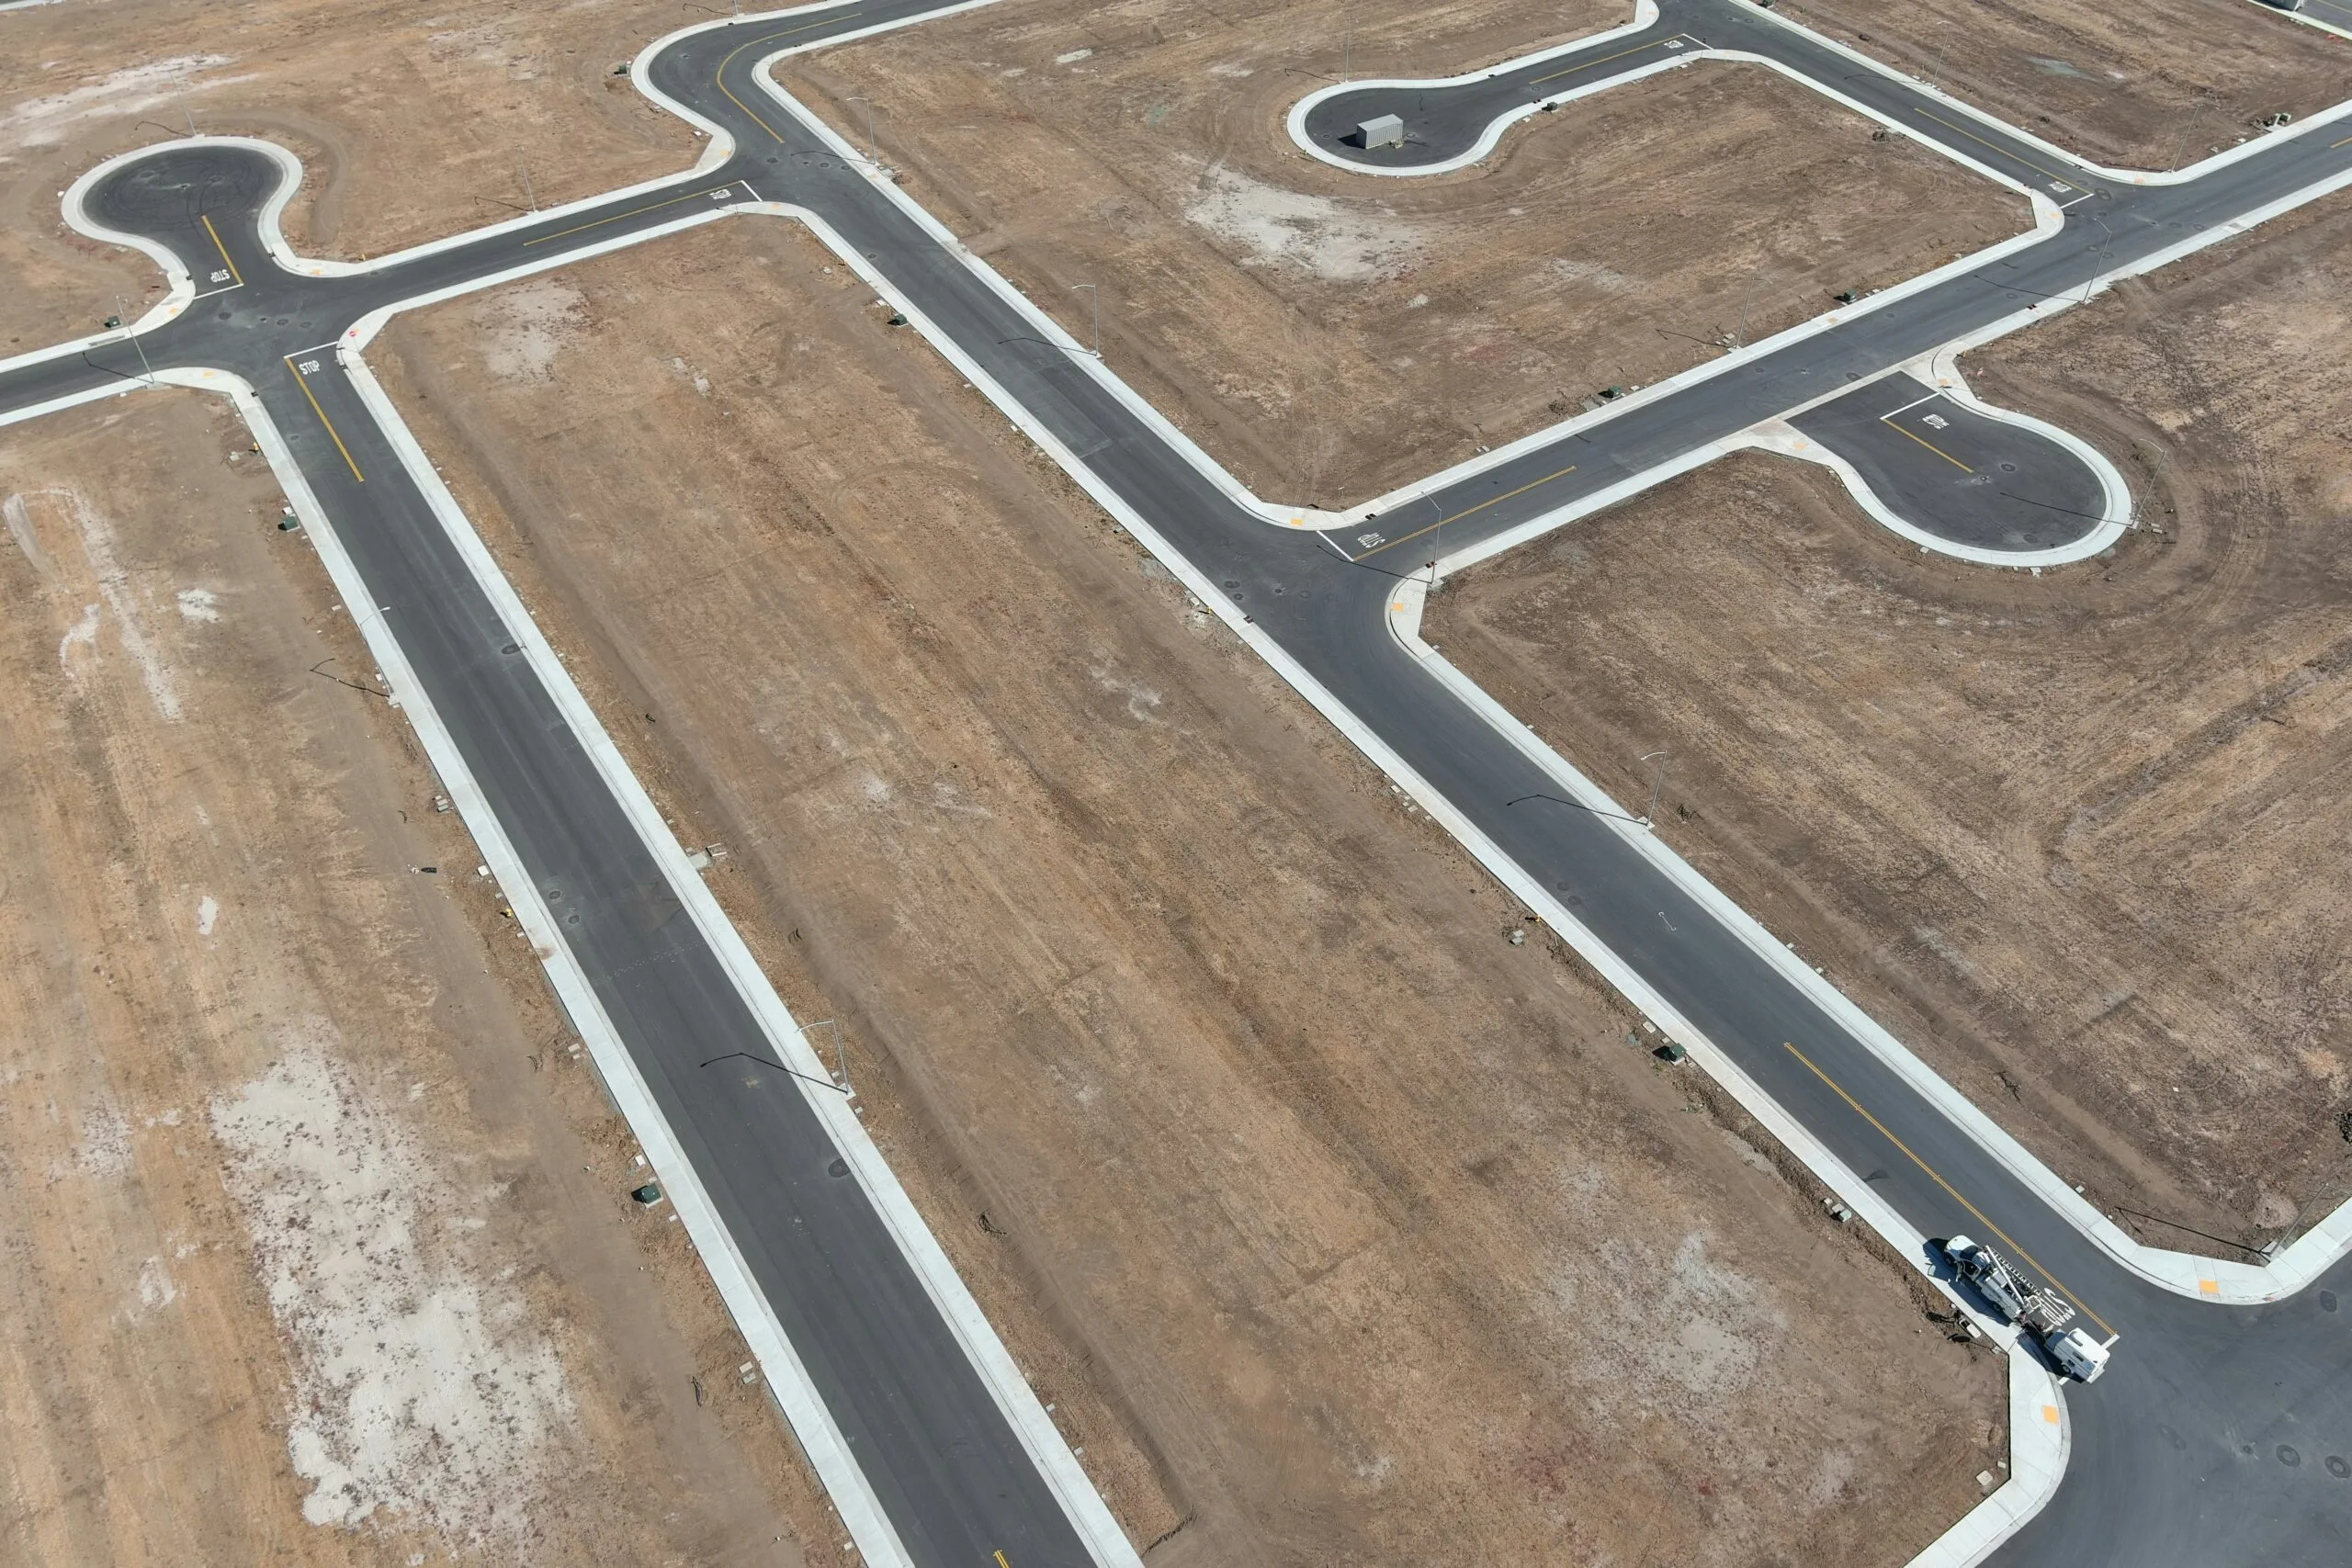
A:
(1095, 295)
(2205, 101)
(1745, 297)
(1657, 787)
(1347, 57)
(524, 170)
(2106, 248)
(133, 331)
(873, 145)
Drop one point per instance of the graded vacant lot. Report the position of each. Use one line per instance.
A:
(2149, 85)
(2080, 841)
(412, 123)
(1329, 336)
(317, 1244)
(1338, 1228)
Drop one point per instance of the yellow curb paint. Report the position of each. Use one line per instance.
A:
(2049, 1414)
(2209, 1287)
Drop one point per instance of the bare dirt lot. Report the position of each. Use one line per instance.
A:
(2079, 840)
(1338, 1228)
(317, 1243)
(2149, 85)
(412, 122)
(1329, 336)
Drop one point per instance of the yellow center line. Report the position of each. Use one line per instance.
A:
(2005, 1239)
(1604, 60)
(339, 446)
(2334, 145)
(632, 212)
(718, 76)
(1001, 1562)
(1466, 510)
(1888, 420)
(2065, 180)
(234, 276)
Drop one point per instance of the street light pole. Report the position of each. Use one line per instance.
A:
(523, 169)
(1657, 787)
(133, 331)
(873, 146)
(1094, 295)
(2106, 249)
(1745, 297)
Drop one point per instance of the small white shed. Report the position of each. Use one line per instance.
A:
(1384, 130)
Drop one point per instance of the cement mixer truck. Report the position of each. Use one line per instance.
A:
(2037, 1311)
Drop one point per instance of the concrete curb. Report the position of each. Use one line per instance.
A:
(2039, 1434)
(2304, 17)
(1045, 325)
(1783, 439)
(812, 1424)
(2047, 223)
(788, 1382)
(821, 1439)
(2120, 176)
(1040, 1439)
(1646, 15)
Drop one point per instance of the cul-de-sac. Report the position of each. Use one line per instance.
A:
(1151, 783)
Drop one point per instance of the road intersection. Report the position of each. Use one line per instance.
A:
(911, 1412)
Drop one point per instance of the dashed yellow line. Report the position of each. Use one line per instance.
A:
(1538, 80)
(1888, 420)
(304, 383)
(235, 276)
(2334, 145)
(718, 76)
(632, 212)
(2067, 180)
(1466, 510)
(2005, 1239)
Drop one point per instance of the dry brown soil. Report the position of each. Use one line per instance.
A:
(2080, 841)
(2147, 86)
(1338, 1228)
(1330, 335)
(412, 121)
(316, 1248)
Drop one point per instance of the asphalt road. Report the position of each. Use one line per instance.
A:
(2180, 1452)
(1960, 475)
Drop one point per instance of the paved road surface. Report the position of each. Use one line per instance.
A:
(2181, 1452)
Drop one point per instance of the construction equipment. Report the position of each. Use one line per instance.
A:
(2040, 1312)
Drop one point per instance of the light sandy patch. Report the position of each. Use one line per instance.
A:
(420, 1387)
(113, 581)
(148, 1392)
(134, 90)
(1337, 242)
(525, 327)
